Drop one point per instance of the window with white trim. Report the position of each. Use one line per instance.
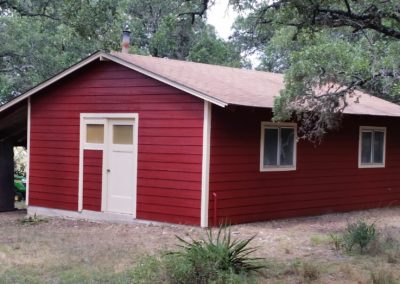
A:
(372, 147)
(278, 146)
(94, 134)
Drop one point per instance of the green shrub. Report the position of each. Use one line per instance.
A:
(217, 258)
(360, 234)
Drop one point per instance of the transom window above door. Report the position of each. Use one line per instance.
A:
(278, 146)
(94, 133)
(97, 134)
(372, 147)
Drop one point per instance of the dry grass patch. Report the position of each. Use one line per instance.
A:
(295, 251)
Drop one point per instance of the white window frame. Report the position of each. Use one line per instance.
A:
(372, 164)
(265, 125)
(93, 146)
(102, 118)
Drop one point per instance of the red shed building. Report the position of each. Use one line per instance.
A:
(124, 137)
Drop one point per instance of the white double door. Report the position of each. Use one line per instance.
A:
(120, 166)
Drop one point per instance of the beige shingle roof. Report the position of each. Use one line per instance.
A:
(242, 87)
(229, 85)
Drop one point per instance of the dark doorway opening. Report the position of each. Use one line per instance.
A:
(13, 133)
(20, 163)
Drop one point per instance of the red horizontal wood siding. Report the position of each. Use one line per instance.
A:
(92, 179)
(169, 150)
(327, 178)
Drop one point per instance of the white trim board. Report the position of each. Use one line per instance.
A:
(205, 171)
(102, 56)
(28, 149)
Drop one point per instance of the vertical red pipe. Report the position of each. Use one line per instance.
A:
(214, 194)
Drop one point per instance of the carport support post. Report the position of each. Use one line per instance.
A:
(6, 176)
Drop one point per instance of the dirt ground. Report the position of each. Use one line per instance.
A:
(62, 250)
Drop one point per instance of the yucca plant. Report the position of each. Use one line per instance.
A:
(217, 255)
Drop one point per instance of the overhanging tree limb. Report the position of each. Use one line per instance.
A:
(204, 5)
(319, 15)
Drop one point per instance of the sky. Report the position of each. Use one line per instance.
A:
(221, 16)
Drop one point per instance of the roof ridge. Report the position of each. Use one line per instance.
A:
(195, 63)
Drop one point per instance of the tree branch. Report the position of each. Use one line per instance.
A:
(371, 18)
(200, 13)
(346, 2)
(7, 4)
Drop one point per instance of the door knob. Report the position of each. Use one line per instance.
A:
(108, 170)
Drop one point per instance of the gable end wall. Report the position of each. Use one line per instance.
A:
(170, 141)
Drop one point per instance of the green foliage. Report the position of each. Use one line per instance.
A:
(20, 161)
(365, 237)
(40, 38)
(320, 49)
(359, 234)
(208, 48)
(215, 258)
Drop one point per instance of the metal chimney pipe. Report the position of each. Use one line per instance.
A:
(126, 40)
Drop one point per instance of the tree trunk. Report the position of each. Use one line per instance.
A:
(6, 176)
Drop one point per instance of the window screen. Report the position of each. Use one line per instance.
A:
(271, 146)
(287, 146)
(379, 137)
(372, 147)
(366, 149)
(278, 147)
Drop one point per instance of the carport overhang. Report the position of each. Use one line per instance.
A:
(13, 132)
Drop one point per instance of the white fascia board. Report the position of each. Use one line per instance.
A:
(52, 80)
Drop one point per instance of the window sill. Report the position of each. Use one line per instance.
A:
(278, 169)
(370, 166)
(93, 146)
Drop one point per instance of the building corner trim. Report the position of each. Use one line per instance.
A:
(28, 149)
(205, 171)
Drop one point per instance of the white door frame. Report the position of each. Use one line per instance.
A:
(102, 118)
